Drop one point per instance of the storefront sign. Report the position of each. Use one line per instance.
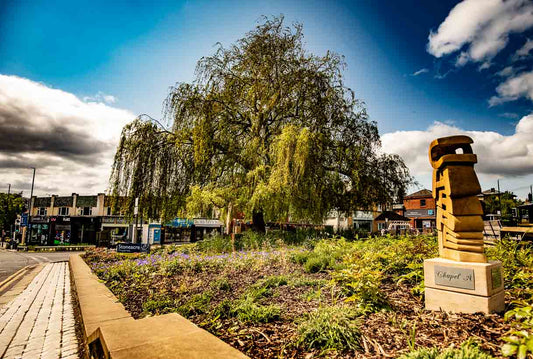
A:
(114, 220)
(39, 219)
(180, 223)
(413, 213)
(133, 247)
(210, 223)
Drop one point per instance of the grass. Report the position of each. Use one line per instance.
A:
(330, 328)
(467, 350)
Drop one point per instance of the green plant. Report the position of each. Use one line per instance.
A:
(519, 342)
(467, 350)
(248, 311)
(159, 305)
(221, 284)
(330, 328)
(198, 304)
(414, 277)
(361, 285)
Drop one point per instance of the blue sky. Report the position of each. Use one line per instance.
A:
(132, 51)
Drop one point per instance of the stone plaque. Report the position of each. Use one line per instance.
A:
(496, 276)
(454, 277)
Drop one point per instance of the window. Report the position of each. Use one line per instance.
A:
(86, 211)
(64, 211)
(108, 211)
(422, 203)
(382, 225)
(41, 211)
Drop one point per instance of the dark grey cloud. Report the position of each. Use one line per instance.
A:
(20, 133)
(69, 141)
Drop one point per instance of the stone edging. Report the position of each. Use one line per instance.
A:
(112, 332)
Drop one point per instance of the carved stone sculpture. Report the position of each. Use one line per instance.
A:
(455, 189)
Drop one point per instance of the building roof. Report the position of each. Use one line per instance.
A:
(422, 193)
(391, 216)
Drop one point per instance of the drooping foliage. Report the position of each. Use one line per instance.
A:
(266, 129)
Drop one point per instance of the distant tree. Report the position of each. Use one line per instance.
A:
(504, 203)
(266, 129)
(10, 206)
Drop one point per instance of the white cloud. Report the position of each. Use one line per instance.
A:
(506, 71)
(499, 156)
(524, 51)
(101, 97)
(513, 88)
(509, 115)
(482, 27)
(71, 142)
(420, 72)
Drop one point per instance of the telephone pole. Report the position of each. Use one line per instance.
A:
(28, 226)
(499, 198)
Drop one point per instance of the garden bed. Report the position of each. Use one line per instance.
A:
(361, 299)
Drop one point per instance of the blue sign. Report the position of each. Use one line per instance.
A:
(157, 235)
(180, 223)
(24, 220)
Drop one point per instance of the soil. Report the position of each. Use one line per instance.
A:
(385, 334)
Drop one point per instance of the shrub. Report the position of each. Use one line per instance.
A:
(274, 281)
(198, 304)
(318, 263)
(519, 342)
(159, 305)
(249, 311)
(361, 285)
(468, 350)
(222, 284)
(330, 328)
(215, 244)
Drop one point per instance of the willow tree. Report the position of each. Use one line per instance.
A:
(266, 129)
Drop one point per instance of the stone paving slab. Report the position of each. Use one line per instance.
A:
(39, 323)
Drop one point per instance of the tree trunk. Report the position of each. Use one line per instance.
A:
(258, 220)
(229, 219)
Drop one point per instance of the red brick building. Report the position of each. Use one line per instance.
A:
(421, 210)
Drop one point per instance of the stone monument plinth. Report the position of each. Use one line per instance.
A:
(461, 280)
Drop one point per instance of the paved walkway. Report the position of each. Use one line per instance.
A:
(40, 323)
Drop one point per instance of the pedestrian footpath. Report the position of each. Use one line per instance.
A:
(40, 323)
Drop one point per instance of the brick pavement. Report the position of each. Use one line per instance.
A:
(40, 323)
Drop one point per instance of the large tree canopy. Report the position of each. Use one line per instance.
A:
(266, 129)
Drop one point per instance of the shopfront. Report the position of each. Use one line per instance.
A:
(60, 230)
(203, 227)
(179, 230)
(114, 230)
(84, 230)
(39, 228)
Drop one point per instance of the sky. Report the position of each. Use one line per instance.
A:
(72, 73)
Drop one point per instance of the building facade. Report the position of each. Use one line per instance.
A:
(73, 219)
(420, 208)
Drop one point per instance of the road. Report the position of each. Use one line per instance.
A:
(10, 262)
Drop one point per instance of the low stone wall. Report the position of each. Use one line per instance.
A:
(112, 332)
(69, 248)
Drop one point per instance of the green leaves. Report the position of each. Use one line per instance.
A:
(271, 125)
(519, 342)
